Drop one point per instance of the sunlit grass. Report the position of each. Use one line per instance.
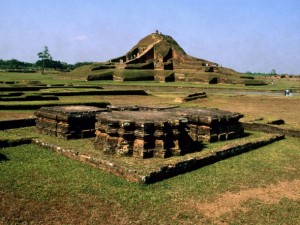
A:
(42, 177)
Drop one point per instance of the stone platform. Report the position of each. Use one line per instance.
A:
(164, 133)
(67, 122)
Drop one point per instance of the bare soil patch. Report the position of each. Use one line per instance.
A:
(16, 114)
(86, 210)
(230, 202)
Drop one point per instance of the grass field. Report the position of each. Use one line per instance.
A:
(258, 187)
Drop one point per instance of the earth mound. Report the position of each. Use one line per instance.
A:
(163, 52)
(159, 57)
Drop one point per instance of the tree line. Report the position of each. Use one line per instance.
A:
(45, 61)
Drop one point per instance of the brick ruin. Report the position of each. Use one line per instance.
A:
(67, 122)
(141, 132)
(170, 132)
(164, 53)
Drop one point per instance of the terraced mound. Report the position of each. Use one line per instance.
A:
(158, 57)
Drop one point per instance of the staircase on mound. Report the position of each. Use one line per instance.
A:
(149, 47)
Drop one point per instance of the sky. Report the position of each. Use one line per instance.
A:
(245, 35)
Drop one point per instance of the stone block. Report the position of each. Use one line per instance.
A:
(125, 147)
(142, 149)
(67, 121)
(111, 145)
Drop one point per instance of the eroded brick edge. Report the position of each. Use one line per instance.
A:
(165, 171)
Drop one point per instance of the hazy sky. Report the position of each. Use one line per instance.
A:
(246, 35)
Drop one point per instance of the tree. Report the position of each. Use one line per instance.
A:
(44, 55)
(273, 72)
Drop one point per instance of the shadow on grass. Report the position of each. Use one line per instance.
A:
(195, 163)
(246, 134)
(3, 158)
(204, 145)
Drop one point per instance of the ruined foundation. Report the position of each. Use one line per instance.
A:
(164, 133)
(67, 122)
(125, 136)
(141, 132)
(211, 125)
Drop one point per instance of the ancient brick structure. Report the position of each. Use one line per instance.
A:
(212, 124)
(67, 122)
(164, 51)
(163, 133)
(141, 133)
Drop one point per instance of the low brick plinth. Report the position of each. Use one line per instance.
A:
(163, 133)
(67, 122)
(154, 171)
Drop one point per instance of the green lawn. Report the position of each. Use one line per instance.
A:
(39, 186)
